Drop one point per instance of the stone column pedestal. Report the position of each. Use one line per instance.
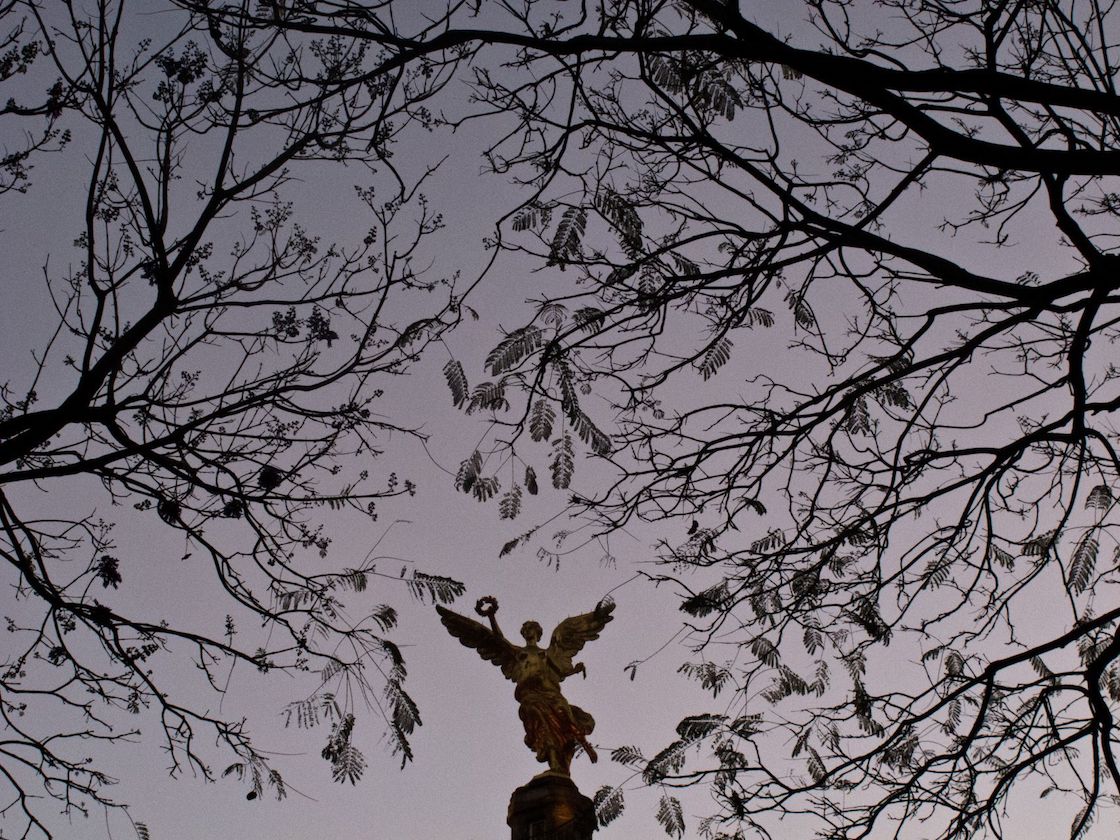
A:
(550, 807)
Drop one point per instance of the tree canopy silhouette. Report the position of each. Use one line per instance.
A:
(841, 303)
(200, 360)
(832, 299)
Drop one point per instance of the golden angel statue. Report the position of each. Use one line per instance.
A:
(553, 726)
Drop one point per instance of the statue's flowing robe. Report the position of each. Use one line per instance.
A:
(551, 723)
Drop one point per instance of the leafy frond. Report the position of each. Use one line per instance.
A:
(598, 440)
(708, 89)
(936, 572)
(553, 314)
(468, 472)
(510, 505)
(531, 217)
(348, 765)
(355, 580)
(763, 650)
(1040, 545)
(1091, 649)
(713, 599)
(486, 487)
(716, 357)
(746, 726)
(628, 755)
(801, 742)
(787, 683)
(294, 599)
(650, 285)
(309, 712)
(684, 265)
(514, 347)
(716, 94)
(821, 678)
(516, 541)
(802, 313)
(893, 395)
(569, 401)
(609, 804)
(729, 757)
(953, 664)
(1112, 683)
(347, 761)
(384, 616)
(1083, 564)
(331, 670)
(393, 654)
(237, 768)
(695, 727)
(589, 318)
(812, 639)
(622, 216)
(1082, 822)
(815, 766)
(771, 542)
(669, 760)
(457, 382)
(488, 396)
(622, 273)
(857, 419)
(663, 73)
(1041, 668)
(434, 588)
(756, 316)
(1100, 498)
(277, 783)
(563, 462)
(1003, 557)
(670, 816)
(541, 418)
(405, 714)
(711, 676)
(568, 239)
(866, 614)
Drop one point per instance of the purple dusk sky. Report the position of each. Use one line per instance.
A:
(469, 751)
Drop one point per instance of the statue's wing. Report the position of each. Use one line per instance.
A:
(490, 646)
(573, 633)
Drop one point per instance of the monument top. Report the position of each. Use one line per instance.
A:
(553, 726)
(550, 807)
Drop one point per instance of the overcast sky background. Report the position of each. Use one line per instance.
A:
(469, 753)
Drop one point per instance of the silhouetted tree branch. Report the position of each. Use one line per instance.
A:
(214, 371)
(840, 301)
(836, 308)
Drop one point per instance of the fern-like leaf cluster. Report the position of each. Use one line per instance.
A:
(567, 242)
(609, 804)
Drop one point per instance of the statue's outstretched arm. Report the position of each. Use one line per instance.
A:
(488, 606)
(577, 668)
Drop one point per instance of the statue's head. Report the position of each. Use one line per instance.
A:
(531, 632)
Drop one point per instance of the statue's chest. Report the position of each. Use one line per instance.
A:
(531, 659)
(532, 667)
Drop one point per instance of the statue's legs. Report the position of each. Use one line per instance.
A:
(560, 758)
